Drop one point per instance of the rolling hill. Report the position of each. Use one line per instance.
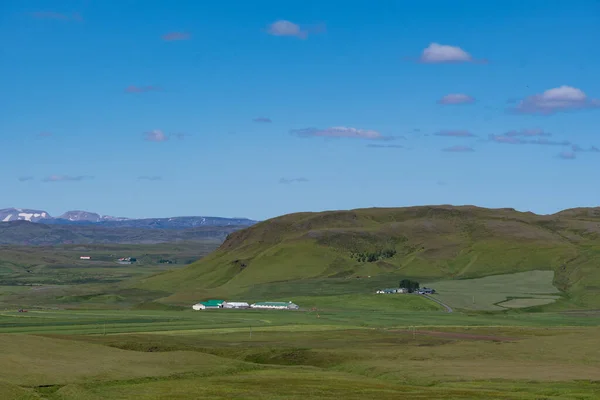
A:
(334, 252)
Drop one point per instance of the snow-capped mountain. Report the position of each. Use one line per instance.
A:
(23, 214)
(85, 216)
(78, 217)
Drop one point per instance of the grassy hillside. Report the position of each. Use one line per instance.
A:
(339, 252)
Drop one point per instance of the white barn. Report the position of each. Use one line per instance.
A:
(276, 305)
(235, 304)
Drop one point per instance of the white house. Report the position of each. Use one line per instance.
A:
(235, 304)
(85, 258)
(208, 304)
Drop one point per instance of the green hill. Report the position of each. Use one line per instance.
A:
(342, 252)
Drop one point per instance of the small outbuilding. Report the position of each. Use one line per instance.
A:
(208, 304)
(275, 305)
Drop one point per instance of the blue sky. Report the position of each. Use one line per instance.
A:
(256, 109)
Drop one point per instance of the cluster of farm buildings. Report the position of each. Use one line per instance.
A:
(404, 290)
(270, 305)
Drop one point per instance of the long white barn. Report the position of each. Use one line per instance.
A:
(235, 304)
(276, 305)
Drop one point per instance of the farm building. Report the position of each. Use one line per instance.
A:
(275, 305)
(208, 304)
(426, 290)
(85, 258)
(389, 291)
(235, 304)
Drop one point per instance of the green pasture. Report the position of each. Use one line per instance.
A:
(498, 292)
(293, 355)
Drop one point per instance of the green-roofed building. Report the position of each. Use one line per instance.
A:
(275, 305)
(208, 304)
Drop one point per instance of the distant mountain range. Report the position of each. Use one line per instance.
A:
(90, 218)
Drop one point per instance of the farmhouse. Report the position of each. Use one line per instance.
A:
(235, 304)
(390, 291)
(276, 305)
(85, 258)
(426, 290)
(208, 304)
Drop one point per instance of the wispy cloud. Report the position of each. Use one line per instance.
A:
(180, 136)
(456, 98)
(514, 138)
(142, 89)
(173, 36)
(25, 178)
(527, 133)
(567, 155)
(262, 120)
(57, 16)
(292, 180)
(66, 178)
(42, 135)
(551, 101)
(458, 149)
(458, 133)
(283, 27)
(155, 136)
(579, 149)
(149, 178)
(385, 146)
(437, 53)
(341, 132)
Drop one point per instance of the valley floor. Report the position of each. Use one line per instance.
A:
(254, 354)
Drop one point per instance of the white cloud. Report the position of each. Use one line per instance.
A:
(459, 149)
(340, 132)
(563, 98)
(456, 98)
(283, 27)
(292, 180)
(440, 53)
(155, 136)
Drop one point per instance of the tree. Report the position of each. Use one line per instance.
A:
(409, 285)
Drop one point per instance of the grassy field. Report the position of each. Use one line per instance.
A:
(237, 354)
(497, 292)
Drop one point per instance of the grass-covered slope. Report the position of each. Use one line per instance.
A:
(323, 253)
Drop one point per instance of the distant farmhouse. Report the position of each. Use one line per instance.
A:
(426, 290)
(85, 258)
(276, 305)
(208, 304)
(126, 260)
(392, 291)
